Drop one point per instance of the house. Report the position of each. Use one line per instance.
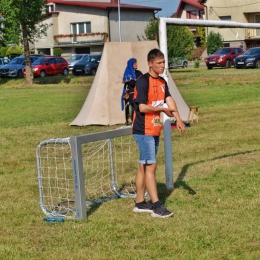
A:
(192, 9)
(247, 11)
(83, 26)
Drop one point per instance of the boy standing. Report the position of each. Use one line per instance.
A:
(150, 94)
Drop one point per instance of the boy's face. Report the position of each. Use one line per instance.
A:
(135, 65)
(157, 66)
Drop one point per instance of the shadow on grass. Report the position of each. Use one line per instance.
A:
(180, 179)
(52, 80)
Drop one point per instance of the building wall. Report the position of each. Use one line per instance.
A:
(132, 23)
(240, 11)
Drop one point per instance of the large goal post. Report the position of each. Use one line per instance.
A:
(79, 171)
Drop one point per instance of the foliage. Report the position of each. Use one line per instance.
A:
(57, 51)
(196, 64)
(24, 19)
(14, 51)
(214, 41)
(202, 33)
(180, 41)
(3, 51)
(151, 30)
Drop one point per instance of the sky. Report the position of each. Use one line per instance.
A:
(168, 6)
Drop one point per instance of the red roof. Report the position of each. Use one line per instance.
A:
(102, 5)
(190, 2)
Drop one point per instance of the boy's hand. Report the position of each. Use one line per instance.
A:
(181, 126)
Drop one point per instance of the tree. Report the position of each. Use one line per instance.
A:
(214, 41)
(180, 41)
(23, 18)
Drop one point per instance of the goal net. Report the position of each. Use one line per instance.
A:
(101, 167)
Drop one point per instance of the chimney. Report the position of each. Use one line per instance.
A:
(114, 1)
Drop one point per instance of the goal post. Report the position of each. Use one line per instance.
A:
(80, 171)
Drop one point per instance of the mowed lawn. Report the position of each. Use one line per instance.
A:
(216, 196)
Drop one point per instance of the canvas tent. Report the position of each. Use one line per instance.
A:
(103, 103)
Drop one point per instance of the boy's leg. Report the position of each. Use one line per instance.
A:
(150, 181)
(140, 184)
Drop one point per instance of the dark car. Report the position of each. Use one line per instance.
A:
(74, 59)
(178, 63)
(223, 57)
(15, 67)
(250, 59)
(87, 66)
(50, 65)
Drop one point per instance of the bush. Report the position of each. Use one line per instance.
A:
(196, 64)
(57, 51)
(214, 41)
(14, 51)
(3, 51)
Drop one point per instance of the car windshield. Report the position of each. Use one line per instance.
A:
(252, 51)
(39, 62)
(222, 51)
(17, 61)
(87, 59)
(75, 57)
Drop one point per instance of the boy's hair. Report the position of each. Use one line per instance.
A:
(154, 54)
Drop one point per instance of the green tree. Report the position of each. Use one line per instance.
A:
(214, 41)
(23, 18)
(57, 51)
(14, 51)
(180, 41)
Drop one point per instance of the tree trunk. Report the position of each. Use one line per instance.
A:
(28, 68)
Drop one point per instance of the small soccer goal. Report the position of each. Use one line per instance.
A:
(80, 171)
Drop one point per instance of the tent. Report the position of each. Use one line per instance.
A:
(103, 103)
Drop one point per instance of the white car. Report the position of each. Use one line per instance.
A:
(178, 63)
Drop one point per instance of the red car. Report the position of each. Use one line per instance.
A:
(49, 65)
(223, 57)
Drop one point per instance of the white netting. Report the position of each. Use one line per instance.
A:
(107, 172)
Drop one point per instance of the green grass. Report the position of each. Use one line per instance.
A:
(216, 198)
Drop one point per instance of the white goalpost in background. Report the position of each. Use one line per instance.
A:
(163, 47)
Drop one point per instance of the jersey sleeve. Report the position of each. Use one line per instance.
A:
(142, 86)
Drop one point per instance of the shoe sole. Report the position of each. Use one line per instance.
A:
(154, 215)
(142, 210)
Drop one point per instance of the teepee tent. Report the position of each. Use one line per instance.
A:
(103, 103)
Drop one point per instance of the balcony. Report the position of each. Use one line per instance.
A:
(252, 33)
(84, 38)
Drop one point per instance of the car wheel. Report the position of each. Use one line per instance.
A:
(257, 64)
(43, 73)
(209, 68)
(65, 72)
(19, 74)
(185, 64)
(228, 64)
(93, 72)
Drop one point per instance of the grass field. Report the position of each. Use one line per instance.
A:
(216, 198)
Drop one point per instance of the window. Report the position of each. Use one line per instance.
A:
(191, 15)
(77, 28)
(225, 18)
(257, 20)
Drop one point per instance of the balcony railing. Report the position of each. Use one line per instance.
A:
(80, 38)
(252, 33)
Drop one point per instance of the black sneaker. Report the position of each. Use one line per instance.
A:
(143, 207)
(161, 212)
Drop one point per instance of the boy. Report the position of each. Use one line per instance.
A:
(150, 94)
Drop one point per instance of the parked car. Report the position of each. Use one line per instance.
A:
(15, 67)
(223, 57)
(87, 66)
(74, 59)
(4, 61)
(250, 59)
(178, 63)
(49, 65)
